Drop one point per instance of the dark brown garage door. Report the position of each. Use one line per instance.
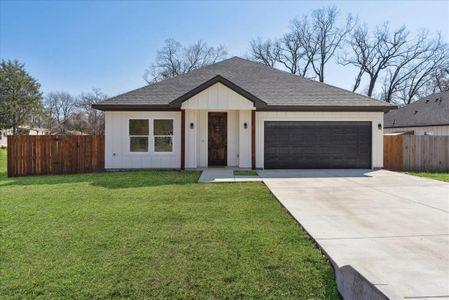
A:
(317, 145)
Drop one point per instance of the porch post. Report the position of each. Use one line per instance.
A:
(253, 139)
(183, 138)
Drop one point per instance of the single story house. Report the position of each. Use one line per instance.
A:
(239, 113)
(427, 116)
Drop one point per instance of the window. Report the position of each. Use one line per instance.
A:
(163, 135)
(138, 135)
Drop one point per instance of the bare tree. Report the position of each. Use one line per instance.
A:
(416, 68)
(441, 80)
(78, 122)
(60, 106)
(372, 55)
(199, 55)
(265, 52)
(309, 44)
(174, 59)
(422, 73)
(292, 55)
(322, 36)
(93, 121)
(286, 51)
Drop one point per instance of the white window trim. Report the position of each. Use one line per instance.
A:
(147, 136)
(153, 138)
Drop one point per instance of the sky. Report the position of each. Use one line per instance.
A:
(75, 46)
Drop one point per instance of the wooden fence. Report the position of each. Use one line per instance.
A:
(55, 154)
(416, 153)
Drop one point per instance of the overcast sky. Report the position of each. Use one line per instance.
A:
(77, 45)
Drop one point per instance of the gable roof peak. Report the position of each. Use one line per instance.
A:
(263, 84)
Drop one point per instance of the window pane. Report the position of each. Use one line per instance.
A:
(163, 144)
(163, 127)
(138, 127)
(139, 144)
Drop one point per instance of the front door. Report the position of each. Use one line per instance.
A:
(217, 139)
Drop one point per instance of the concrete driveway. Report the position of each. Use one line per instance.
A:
(392, 228)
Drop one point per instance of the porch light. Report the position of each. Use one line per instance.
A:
(379, 126)
(245, 125)
(192, 125)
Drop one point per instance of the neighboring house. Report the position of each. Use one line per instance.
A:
(3, 137)
(427, 116)
(27, 130)
(238, 113)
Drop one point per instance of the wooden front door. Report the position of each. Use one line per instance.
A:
(217, 139)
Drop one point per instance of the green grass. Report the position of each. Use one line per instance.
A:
(436, 176)
(3, 163)
(245, 173)
(152, 235)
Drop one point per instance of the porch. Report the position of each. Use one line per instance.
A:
(226, 174)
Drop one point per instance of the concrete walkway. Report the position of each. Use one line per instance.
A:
(392, 228)
(211, 175)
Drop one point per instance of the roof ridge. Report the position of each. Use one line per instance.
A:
(273, 86)
(307, 79)
(423, 99)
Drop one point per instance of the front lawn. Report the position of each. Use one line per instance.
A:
(152, 235)
(436, 176)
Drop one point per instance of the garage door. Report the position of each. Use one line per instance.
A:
(317, 145)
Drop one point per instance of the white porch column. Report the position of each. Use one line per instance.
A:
(245, 139)
(191, 161)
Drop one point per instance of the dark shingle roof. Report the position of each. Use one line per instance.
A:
(429, 111)
(273, 87)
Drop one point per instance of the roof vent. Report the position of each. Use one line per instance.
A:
(416, 112)
(437, 99)
(427, 101)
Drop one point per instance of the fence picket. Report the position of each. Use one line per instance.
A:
(419, 153)
(56, 154)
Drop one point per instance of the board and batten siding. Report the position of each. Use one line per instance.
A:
(374, 117)
(238, 138)
(425, 130)
(218, 97)
(117, 152)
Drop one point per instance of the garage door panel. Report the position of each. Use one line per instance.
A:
(291, 144)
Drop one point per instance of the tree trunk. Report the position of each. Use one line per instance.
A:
(372, 82)
(322, 72)
(358, 79)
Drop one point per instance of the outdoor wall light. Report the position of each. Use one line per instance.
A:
(379, 126)
(192, 125)
(245, 125)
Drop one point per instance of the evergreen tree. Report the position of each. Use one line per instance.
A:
(20, 97)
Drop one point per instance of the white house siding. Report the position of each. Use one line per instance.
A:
(238, 138)
(233, 138)
(220, 97)
(117, 154)
(374, 117)
(244, 139)
(433, 130)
